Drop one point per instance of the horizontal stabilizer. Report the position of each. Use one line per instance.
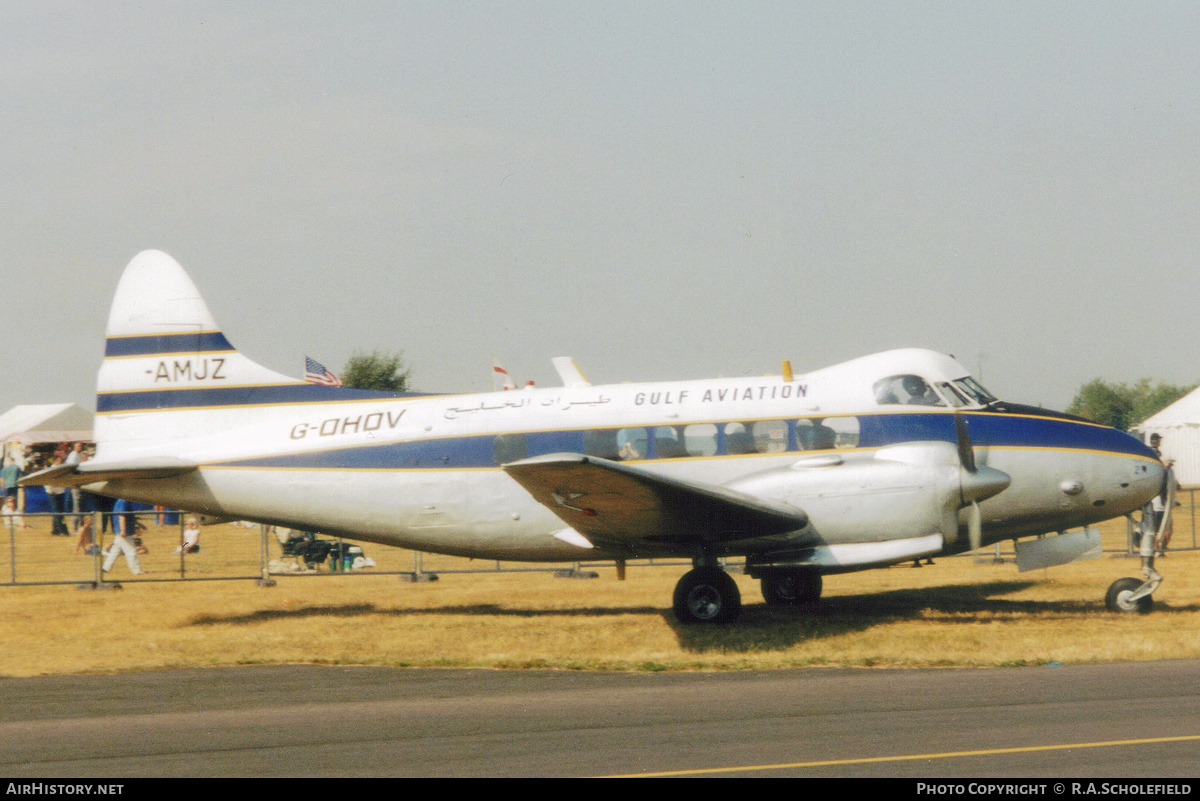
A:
(609, 502)
(77, 475)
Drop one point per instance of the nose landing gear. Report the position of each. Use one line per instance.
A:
(1129, 595)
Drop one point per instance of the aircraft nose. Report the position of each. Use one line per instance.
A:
(1156, 472)
(1148, 479)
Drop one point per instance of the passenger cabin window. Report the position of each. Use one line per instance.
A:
(700, 439)
(826, 434)
(738, 440)
(632, 443)
(770, 436)
(911, 390)
(602, 443)
(845, 431)
(667, 444)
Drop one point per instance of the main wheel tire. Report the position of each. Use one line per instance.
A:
(791, 587)
(1117, 598)
(707, 595)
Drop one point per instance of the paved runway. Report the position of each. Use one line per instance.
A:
(1094, 721)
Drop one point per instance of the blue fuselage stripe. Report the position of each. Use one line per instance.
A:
(877, 430)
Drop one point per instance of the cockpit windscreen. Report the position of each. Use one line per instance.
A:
(913, 390)
(975, 390)
(906, 389)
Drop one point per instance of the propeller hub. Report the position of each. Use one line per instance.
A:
(983, 483)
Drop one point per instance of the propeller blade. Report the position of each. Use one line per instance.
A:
(975, 525)
(966, 453)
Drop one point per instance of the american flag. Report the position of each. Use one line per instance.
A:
(315, 372)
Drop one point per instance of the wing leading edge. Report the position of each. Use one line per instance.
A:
(609, 502)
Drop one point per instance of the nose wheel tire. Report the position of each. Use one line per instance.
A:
(707, 595)
(1118, 595)
(791, 587)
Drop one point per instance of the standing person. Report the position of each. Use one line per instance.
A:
(123, 533)
(1161, 510)
(75, 457)
(8, 477)
(57, 505)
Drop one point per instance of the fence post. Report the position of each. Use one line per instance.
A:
(264, 555)
(97, 523)
(419, 575)
(12, 547)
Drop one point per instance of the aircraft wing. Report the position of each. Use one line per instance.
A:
(610, 502)
(77, 475)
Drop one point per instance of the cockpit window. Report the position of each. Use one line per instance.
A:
(907, 390)
(974, 390)
(957, 399)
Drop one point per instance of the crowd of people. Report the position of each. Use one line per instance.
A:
(74, 508)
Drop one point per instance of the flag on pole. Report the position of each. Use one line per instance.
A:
(500, 378)
(315, 373)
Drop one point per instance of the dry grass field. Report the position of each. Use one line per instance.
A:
(958, 612)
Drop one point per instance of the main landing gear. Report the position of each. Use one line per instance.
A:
(707, 595)
(793, 587)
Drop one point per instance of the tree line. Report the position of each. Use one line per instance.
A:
(1123, 406)
(376, 370)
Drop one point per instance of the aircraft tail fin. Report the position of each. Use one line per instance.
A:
(164, 353)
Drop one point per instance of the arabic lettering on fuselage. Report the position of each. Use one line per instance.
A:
(456, 411)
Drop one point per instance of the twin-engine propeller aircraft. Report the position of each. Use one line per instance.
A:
(884, 459)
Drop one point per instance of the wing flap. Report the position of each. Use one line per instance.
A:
(608, 501)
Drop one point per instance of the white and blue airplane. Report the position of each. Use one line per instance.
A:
(884, 459)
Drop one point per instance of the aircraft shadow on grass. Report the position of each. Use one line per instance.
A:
(366, 610)
(761, 628)
(766, 628)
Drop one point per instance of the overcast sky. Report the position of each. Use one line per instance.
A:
(661, 190)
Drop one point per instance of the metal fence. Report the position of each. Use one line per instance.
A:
(252, 552)
(39, 556)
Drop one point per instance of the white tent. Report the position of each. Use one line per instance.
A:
(1179, 427)
(53, 422)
